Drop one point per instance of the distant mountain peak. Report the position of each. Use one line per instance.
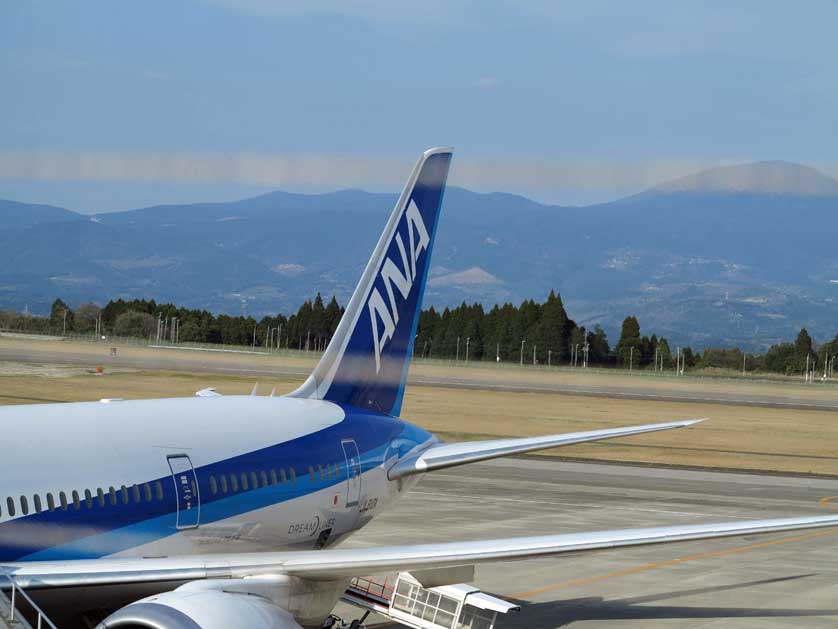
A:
(769, 177)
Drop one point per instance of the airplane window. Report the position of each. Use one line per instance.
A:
(322, 473)
(223, 484)
(112, 495)
(50, 502)
(100, 495)
(329, 471)
(234, 483)
(37, 502)
(10, 504)
(88, 499)
(158, 488)
(264, 479)
(213, 485)
(62, 498)
(135, 489)
(282, 476)
(1, 511)
(274, 479)
(254, 482)
(76, 504)
(311, 472)
(337, 470)
(24, 505)
(293, 475)
(124, 491)
(147, 491)
(244, 481)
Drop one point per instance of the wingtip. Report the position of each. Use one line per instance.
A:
(693, 422)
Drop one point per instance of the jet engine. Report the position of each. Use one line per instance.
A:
(201, 609)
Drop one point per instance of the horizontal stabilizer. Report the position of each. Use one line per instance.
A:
(451, 454)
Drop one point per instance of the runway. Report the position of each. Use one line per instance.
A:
(260, 365)
(778, 581)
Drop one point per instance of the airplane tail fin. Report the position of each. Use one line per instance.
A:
(366, 362)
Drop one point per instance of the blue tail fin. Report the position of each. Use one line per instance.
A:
(367, 359)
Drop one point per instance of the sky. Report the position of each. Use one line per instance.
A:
(113, 105)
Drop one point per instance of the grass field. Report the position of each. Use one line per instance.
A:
(736, 437)
(505, 373)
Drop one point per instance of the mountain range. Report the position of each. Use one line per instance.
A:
(734, 255)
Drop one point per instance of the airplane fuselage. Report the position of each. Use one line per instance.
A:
(193, 475)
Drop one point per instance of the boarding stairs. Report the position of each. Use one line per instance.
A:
(405, 600)
(13, 601)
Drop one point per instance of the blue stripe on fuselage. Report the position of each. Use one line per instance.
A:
(89, 533)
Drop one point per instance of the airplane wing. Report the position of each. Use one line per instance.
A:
(332, 564)
(450, 454)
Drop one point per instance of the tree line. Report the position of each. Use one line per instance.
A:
(531, 333)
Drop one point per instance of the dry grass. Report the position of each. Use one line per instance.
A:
(737, 437)
(506, 373)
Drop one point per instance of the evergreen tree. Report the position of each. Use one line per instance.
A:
(553, 329)
(59, 313)
(629, 338)
(598, 351)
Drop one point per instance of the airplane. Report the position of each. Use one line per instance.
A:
(219, 511)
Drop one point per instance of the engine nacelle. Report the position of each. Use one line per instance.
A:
(201, 609)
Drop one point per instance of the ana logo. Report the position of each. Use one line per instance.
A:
(386, 314)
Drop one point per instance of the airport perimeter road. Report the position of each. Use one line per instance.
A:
(618, 385)
(783, 580)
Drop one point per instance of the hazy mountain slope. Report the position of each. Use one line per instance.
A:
(14, 215)
(737, 254)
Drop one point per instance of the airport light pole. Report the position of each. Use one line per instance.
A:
(533, 354)
(744, 356)
(458, 349)
(549, 357)
(522, 351)
(631, 358)
(468, 338)
(497, 353)
(656, 359)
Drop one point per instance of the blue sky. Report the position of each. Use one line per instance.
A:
(112, 105)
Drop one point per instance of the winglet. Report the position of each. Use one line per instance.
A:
(255, 389)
